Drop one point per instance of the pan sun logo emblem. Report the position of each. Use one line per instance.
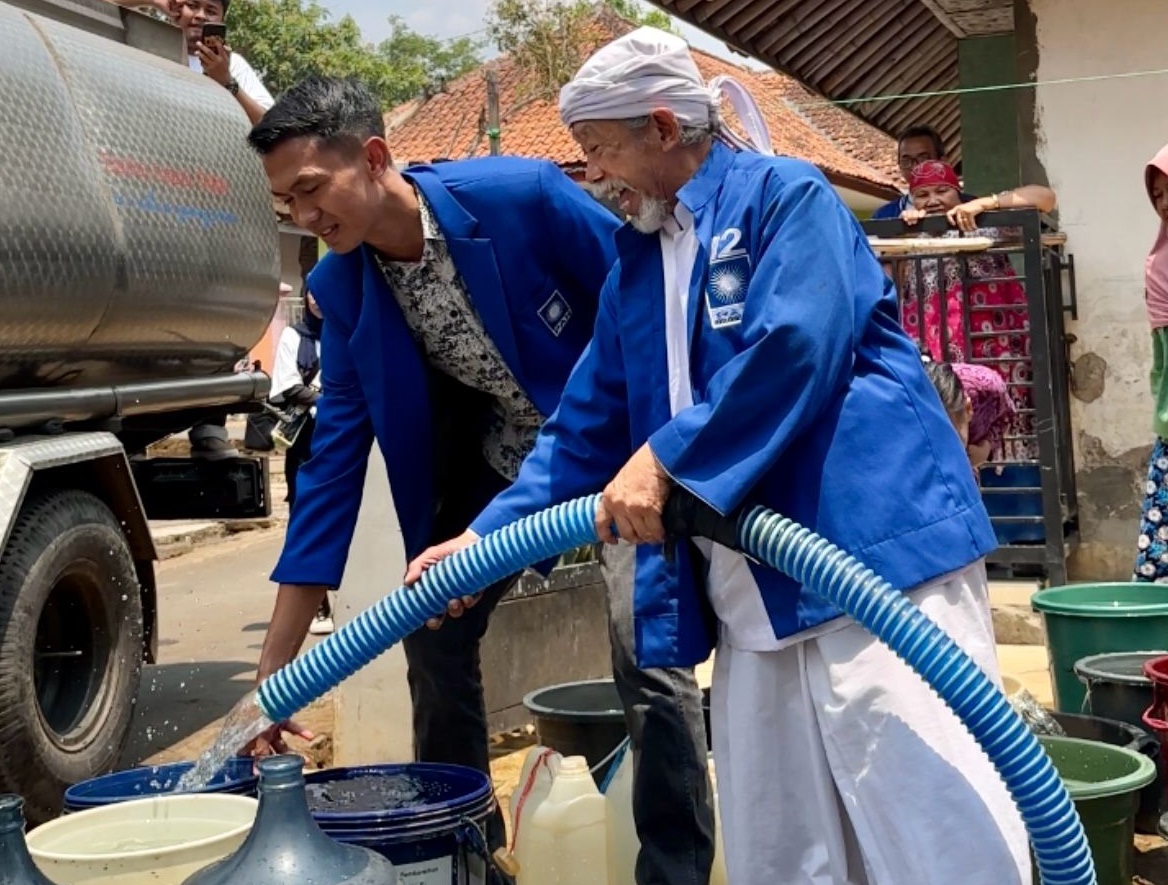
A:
(555, 313)
(729, 279)
(728, 282)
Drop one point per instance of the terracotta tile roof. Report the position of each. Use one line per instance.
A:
(452, 124)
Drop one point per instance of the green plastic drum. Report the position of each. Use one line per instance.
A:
(1104, 782)
(1090, 619)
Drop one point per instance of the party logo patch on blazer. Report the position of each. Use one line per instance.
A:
(728, 279)
(555, 313)
(726, 286)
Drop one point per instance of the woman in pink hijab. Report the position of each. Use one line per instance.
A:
(1152, 544)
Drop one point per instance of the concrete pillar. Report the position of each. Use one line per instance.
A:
(373, 721)
(989, 120)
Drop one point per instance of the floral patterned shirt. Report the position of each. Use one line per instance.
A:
(447, 328)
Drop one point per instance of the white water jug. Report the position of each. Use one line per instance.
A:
(560, 837)
(623, 844)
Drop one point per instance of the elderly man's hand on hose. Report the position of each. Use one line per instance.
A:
(430, 558)
(634, 501)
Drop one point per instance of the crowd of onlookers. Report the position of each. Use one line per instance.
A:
(968, 312)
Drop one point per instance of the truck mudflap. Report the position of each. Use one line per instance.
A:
(108, 474)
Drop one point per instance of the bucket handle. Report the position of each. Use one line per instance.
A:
(616, 757)
(1149, 745)
(1154, 722)
(471, 834)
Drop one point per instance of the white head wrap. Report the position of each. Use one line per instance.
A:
(649, 69)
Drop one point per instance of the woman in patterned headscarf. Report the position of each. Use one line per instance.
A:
(935, 292)
(977, 403)
(1152, 546)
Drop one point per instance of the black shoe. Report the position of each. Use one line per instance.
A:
(211, 448)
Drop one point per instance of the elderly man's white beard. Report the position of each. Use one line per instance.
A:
(650, 217)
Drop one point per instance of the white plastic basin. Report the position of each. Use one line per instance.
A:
(160, 840)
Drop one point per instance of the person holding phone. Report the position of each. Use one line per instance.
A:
(209, 54)
(206, 33)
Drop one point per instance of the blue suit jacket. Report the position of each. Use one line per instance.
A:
(809, 398)
(534, 251)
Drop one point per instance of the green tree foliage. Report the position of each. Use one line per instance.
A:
(640, 14)
(549, 39)
(288, 40)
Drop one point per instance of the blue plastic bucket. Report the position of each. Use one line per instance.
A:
(237, 778)
(429, 819)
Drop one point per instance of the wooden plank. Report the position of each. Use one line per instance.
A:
(880, 57)
(775, 13)
(953, 7)
(817, 70)
(751, 13)
(705, 11)
(937, 8)
(726, 11)
(836, 26)
(992, 21)
(910, 69)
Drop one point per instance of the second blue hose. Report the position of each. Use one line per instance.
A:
(1060, 845)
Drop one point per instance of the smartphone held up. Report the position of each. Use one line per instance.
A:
(214, 33)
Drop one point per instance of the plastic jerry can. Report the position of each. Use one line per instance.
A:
(623, 843)
(535, 782)
(561, 840)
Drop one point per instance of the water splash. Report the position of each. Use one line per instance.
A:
(243, 725)
(1037, 719)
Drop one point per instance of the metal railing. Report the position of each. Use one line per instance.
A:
(998, 297)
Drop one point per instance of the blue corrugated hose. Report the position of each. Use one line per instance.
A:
(1060, 846)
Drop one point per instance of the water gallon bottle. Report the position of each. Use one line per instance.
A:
(623, 844)
(16, 866)
(566, 839)
(286, 846)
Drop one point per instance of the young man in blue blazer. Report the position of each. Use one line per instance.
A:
(456, 300)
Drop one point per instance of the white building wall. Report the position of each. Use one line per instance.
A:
(1093, 138)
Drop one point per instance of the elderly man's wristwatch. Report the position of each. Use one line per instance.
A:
(233, 86)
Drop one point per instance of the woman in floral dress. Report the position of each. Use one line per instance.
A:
(935, 291)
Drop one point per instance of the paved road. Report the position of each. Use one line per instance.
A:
(214, 605)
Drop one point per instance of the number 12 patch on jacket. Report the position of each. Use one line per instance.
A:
(726, 286)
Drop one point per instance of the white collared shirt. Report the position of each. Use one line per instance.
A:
(242, 73)
(733, 592)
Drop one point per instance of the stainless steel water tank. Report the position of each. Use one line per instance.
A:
(137, 235)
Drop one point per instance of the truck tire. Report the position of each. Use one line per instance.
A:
(70, 648)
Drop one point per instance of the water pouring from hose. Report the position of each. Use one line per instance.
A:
(1059, 844)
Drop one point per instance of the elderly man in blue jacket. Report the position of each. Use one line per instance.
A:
(747, 349)
(456, 301)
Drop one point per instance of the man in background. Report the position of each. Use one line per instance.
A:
(915, 145)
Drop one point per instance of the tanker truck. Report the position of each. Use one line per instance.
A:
(139, 262)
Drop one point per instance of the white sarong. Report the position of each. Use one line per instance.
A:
(837, 764)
